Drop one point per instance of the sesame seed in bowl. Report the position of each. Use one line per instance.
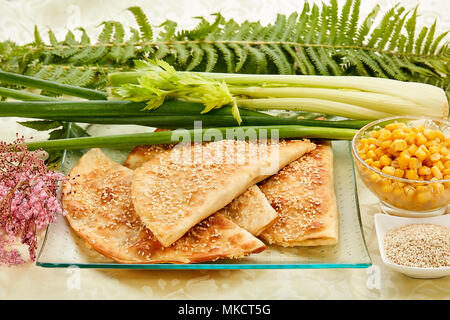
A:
(416, 247)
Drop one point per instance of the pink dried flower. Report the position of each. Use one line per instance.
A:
(29, 199)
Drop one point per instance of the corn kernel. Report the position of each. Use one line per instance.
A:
(374, 134)
(403, 161)
(386, 188)
(368, 161)
(414, 163)
(437, 188)
(446, 172)
(391, 126)
(432, 143)
(375, 177)
(421, 153)
(398, 134)
(385, 160)
(429, 134)
(371, 154)
(371, 140)
(399, 145)
(388, 170)
(376, 164)
(440, 136)
(399, 173)
(405, 153)
(412, 149)
(424, 171)
(435, 157)
(384, 135)
(380, 152)
(385, 144)
(427, 162)
(410, 138)
(409, 192)
(418, 129)
(372, 146)
(397, 192)
(420, 139)
(436, 172)
(411, 174)
(394, 163)
(424, 197)
(444, 151)
(434, 149)
(439, 165)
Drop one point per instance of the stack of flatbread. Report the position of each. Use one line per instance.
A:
(203, 202)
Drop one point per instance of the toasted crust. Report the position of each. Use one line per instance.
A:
(141, 154)
(303, 195)
(97, 199)
(173, 192)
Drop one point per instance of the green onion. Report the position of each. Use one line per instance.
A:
(171, 115)
(27, 81)
(22, 95)
(126, 141)
(209, 121)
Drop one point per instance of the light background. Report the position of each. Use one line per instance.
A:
(17, 20)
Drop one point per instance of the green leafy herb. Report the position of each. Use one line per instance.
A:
(160, 81)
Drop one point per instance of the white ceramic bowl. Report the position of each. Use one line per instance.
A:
(385, 222)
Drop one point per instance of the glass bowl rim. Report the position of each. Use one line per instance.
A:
(373, 123)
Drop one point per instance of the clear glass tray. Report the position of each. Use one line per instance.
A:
(62, 248)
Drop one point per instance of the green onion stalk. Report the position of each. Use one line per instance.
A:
(171, 115)
(56, 87)
(125, 141)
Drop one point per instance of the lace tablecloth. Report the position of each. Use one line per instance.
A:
(17, 19)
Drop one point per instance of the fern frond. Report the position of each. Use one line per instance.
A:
(323, 40)
(142, 21)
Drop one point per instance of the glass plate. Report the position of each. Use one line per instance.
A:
(62, 248)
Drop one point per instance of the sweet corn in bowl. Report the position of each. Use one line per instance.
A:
(405, 161)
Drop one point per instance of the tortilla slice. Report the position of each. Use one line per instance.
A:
(97, 199)
(303, 195)
(175, 190)
(250, 210)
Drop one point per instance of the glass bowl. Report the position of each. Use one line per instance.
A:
(401, 196)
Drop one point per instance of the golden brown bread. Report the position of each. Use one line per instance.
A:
(175, 190)
(97, 200)
(303, 195)
(250, 210)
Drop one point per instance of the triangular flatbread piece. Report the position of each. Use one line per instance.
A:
(97, 200)
(250, 210)
(179, 188)
(303, 195)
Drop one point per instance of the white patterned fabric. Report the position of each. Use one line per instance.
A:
(17, 19)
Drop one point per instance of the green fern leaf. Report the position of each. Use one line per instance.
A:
(411, 29)
(142, 21)
(430, 38)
